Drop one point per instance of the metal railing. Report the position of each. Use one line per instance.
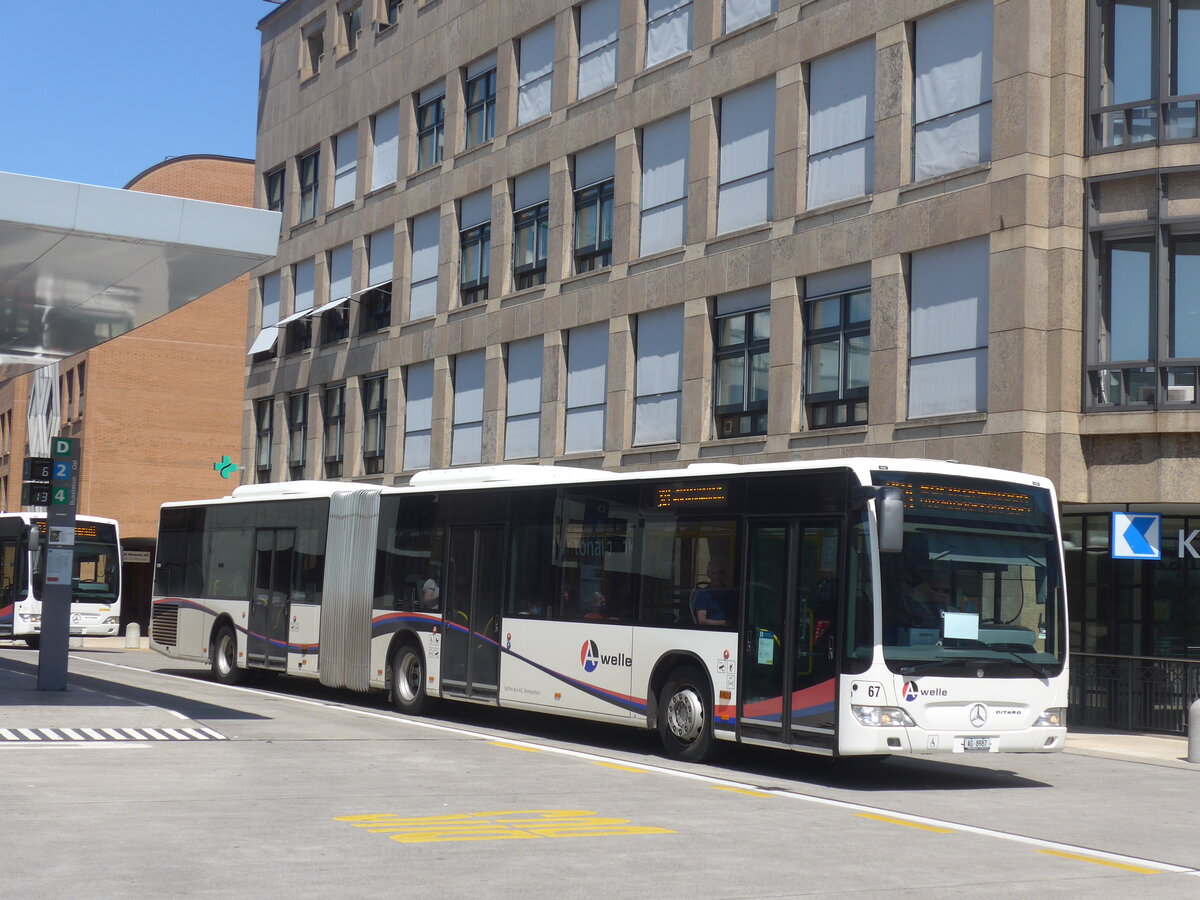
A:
(1132, 693)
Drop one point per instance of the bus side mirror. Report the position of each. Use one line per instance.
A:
(889, 514)
(33, 538)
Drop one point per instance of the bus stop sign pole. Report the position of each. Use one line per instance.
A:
(60, 564)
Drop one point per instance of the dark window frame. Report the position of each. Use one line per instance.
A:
(846, 406)
(485, 106)
(748, 417)
(598, 253)
(297, 413)
(308, 168)
(537, 218)
(333, 410)
(375, 309)
(335, 324)
(264, 436)
(374, 414)
(274, 186)
(1145, 121)
(431, 129)
(478, 240)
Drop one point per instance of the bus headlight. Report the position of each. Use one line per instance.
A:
(112, 620)
(34, 618)
(1052, 718)
(883, 716)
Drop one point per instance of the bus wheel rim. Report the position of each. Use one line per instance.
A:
(410, 676)
(685, 715)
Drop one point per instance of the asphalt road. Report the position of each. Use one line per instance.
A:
(162, 783)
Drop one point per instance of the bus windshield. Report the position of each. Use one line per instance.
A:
(977, 584)
(97, 569)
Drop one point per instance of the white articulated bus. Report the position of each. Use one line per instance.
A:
(853, 607)
(95, 581)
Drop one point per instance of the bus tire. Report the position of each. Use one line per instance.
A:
(408, 680)
(32, 641)
(685, 715)
(222, 656)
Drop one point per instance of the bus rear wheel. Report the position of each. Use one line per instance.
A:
(223, 656)
(408, 680)
(685, 716)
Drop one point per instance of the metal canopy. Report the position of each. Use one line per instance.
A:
(80, 264)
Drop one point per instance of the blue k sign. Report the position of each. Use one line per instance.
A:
(1136, 536)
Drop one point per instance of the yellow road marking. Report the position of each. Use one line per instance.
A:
(503, 825)
(609, 765)
(513, 746)
(733, 790)
(1141, 870)
(906, 823)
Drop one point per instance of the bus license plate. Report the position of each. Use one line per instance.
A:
(977, 744)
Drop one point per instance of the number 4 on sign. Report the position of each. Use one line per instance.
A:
(60, 496)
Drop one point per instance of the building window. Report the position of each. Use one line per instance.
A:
(299, 324)
(841, 125)
(593, 207)
(81, 373)
(466, 442)
(475, 246)
(837, 347)
(423, 283)
(746, 178)
(263, 347)
(1143, 334)
(334, 409)
(310, 165)
(948, 329)
(263, 426)
(742, 356)
(385, 143)
(351, 26)
(587, 389)
(593, 227)
(274, 188)
(297, 434)
(668, 30)
(391, 11)
(1145, 74)
(522, 422)
(481, 102)
(664, 184)
(335, 321)
(599, 31)
(418, 415)
(431, 126)
(952, 115)
(535, 71)
(658, 376)
(376, 303)
(314, 52)
(531, 227)
(374, 400)
(345, 162)
(740, 13)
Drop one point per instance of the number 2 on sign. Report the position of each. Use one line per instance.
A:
(62, 470)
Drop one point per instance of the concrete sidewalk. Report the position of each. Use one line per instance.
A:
(21, 700)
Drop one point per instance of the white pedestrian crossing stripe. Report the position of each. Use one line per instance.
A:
(105, 734)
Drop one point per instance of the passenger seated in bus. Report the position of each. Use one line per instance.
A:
(431, 595)
(714, 602)
(599, 608)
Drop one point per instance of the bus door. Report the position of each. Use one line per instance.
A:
(474, 582)
(267, 629)
(788, 663)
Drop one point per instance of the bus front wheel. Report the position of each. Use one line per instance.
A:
(223, 656)
(685, 716)
(408, 681)
(32, 641)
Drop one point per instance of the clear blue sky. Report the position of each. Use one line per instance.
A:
(98, 92)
